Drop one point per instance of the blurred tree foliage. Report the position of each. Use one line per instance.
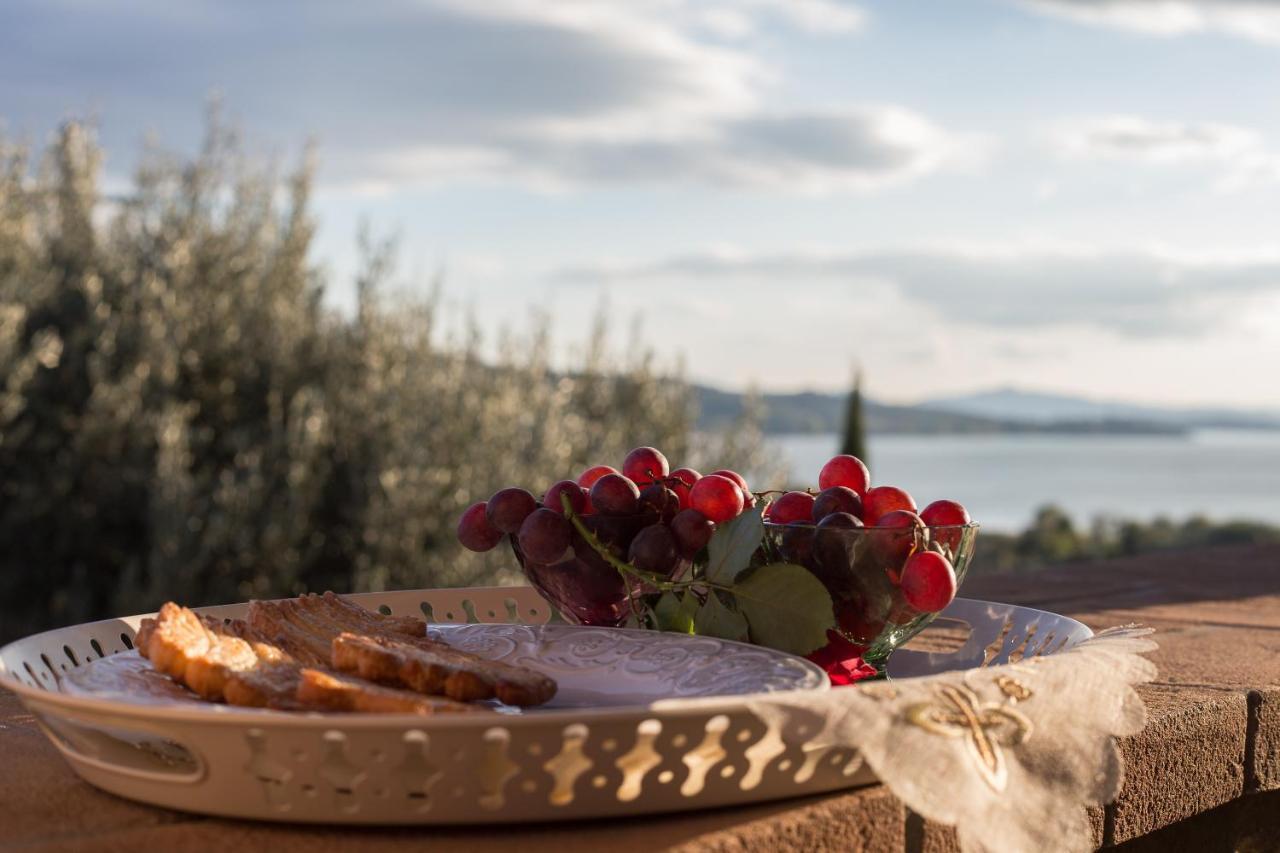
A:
(1053, 538)
(181, 417)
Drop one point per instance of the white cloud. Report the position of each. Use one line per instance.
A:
(1256, 20)
(551, 93)
(810, 152)
(1239, 154)
(1136, 138)
(1134, 294)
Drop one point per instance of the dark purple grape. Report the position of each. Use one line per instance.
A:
(474, 530)
(797, 543)
(545, 535)
(654, 550)
(832, 544)
(837, 499)
(577, 497)
(508, 508)
(614, 494)
(659, 500)
(835, 547)
(840, 521)
(692, 531)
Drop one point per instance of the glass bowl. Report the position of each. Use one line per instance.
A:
(862, 569)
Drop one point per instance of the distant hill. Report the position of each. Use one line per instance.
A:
(812, 412)
(1035, 407)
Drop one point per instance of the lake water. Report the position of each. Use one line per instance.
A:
(1002, 479)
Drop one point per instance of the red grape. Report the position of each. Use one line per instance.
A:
(474, 530)
(793, 506)
(717, 497)
(654, 550)
(577, 497)
(836, 499)
(735, 476)
(686, 477)
(847, 471)
(658, 499)
(881, 500)
(544, 536)
(614, 494)
(692, 530)
(588, 478)
(508, 508)
(645, 465)
(946, 514)
(896, 536)
(928, 582)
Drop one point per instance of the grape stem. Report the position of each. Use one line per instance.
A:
(626, 569)
(768, 492)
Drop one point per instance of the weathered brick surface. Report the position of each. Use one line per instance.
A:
(1189, 759)
(1264, 762)
(1214, 729)
(866, 822)
(1246, 825)
(935, 838)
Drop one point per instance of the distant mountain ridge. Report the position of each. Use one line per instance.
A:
(1017, 404)
(998, 411)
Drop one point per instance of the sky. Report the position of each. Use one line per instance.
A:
(1077, 196)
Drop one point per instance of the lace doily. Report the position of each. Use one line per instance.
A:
(1010, 754)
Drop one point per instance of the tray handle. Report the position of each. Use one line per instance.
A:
(133, 749)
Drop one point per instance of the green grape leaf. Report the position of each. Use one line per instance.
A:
(731, 546)
(786, 608)
(675, 613)
(716, 620)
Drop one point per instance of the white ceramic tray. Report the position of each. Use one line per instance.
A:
(571, 762)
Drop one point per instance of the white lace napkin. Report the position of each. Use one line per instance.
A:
(1010, 754)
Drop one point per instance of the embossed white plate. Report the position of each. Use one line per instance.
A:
(608, 667)
(592, 667)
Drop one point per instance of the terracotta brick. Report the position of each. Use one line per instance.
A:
(1247, 825)
(925, 836)
(1155, 580)
(1189, 759)
(1256, 822)
(869, 820)
(1264, 759)
(933, 837)
(1213, 732)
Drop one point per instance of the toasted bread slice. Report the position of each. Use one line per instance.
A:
(438, 669)
(333, 692)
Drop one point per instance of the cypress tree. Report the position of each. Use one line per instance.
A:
(854, 440)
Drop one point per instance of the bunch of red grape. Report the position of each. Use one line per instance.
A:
(881, 560)
(654, 518)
